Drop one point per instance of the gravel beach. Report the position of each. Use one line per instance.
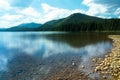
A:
(109, 66)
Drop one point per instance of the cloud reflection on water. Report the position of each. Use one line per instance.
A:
(13, 43)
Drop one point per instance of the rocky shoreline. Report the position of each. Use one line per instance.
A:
(109, 66)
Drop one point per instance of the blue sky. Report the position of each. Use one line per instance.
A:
(14, 12)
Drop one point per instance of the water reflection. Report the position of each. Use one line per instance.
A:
(22, 53)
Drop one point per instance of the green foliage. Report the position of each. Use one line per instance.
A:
(80, 22)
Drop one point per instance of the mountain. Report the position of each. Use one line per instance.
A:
(25, 27)
(76, 22)
(2, 29)
(49, 26)
(80, 22)
(68, 21)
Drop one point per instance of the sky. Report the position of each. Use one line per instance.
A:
(14, 12)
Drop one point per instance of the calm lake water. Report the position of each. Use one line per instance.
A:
(36, 55)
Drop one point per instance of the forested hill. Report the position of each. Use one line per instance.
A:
(81, 22)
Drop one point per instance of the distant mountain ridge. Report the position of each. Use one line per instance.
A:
(76, 22)
(25, 27)
(29, 25)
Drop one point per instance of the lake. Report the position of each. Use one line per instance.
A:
(41, 55)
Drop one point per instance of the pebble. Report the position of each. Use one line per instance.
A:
(111, 62)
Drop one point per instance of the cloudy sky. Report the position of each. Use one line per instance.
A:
(14, 12)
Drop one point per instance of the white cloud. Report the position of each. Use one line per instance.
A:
(87, 1)
(30, 14)
(9, 17)
(50, 13)
(107, 9)
(20, 16)
(95, 8)
(9, 20)
(117, 12)
(47, 8)
(4, 5)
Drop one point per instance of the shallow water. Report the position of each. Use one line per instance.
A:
(36, 55)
